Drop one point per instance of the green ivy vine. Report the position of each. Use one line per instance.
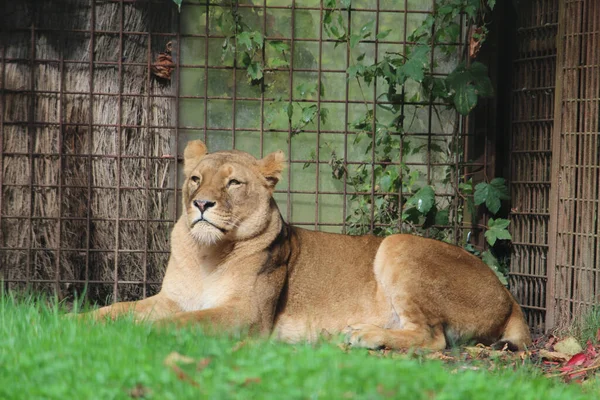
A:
(404, 200)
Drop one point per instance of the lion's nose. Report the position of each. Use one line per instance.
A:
(204, 205)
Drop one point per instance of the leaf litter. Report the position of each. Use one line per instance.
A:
(567, 365)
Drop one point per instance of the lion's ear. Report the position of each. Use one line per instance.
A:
(194, 151)
(271, 167)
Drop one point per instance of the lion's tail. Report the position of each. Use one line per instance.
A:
(516, 335)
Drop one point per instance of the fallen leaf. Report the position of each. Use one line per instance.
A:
(553, 355)
(252, 380)
(171, 361)
(203, 363)
(577, 359)
(139, 391)
(238, 345)
(175, 357)
(590, 350)
(568, 345)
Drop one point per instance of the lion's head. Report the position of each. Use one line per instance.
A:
(228, 194)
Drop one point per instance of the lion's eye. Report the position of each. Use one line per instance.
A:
(233, 182)
(195, 178)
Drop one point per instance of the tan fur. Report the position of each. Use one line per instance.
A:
(243, 267)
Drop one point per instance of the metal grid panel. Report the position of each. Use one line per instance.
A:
(531, 154)
(91, 138)
(575, 276)
(87, 194)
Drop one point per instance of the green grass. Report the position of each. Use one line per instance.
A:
(586, 326)
(45, 355)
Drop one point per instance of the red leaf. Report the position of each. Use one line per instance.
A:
(577, 359)
(590, 350)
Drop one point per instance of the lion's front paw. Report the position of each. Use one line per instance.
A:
(365, 335)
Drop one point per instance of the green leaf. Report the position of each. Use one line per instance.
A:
(289, 109)
(255, 71)
(492, 262)
(278, 62)
(423, 200)
(257, 38)
(491, 4)
(383, 34)
(307, 89)
(246, 59)
(412, 215)
(355, 70)
(278, 45)
(366, 29)
(465, 99)
(387, 182)
(467, 84)
(178, 2)
(244, 39)
(442, 217)
(497, 230)
(345, 3)
(354, 39)
(416, 63)
(323, 114)
(481, 80)
(491, 194)
(309, 113)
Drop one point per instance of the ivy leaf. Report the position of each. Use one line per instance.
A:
(355, 70)
(383, 34)
(178, 2)
(244, 39)
(467, 84)
(255, 71)
(411, 215)
(388, 181)
(246, 59)
(491, 4)
(442, 217)
(491, 194)
(323, 114)
(307, 89)
(492, 262)
(279, 46)
(423, 200)
(481, 80)
(366, 29)
(465, 99)
(414, 67)
(257, 38)
(278, 62)
(345, 3)
(497, 230)
(309, 113)
(289, 109)
(354, 39)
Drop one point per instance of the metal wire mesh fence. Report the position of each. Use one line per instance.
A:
(99, 98)
(574, 273)
(534, 77)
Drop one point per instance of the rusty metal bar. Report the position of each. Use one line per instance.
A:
(119, 152)
(291, 94)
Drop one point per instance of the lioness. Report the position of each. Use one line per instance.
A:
(235, 263)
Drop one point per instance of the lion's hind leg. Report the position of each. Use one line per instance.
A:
(375, 337)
